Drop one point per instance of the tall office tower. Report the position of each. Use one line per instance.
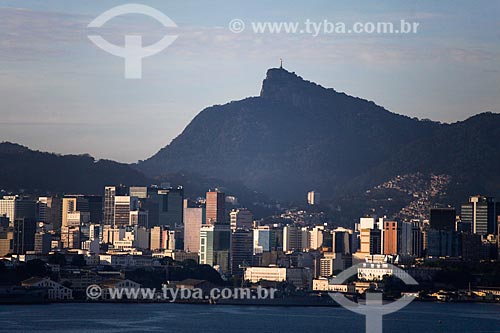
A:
(481, 213)
(109, 205)
(371, 241)
(169, 240)
(142, 237)
(156, 236)
(49, 211)
(111, 234)
(241, 218)
(371, 223)
(316, 237)
(313, 198)
(305, 236)
(71, 237)
(94, 207)
(109, 202)
(214, 239)
(95, 231)
(292, 238)
(43, 242)
(124, 204)
(442, 243)
(171, 206)
(139, 217)
(14, 207)
(68, 206)
(215, 208)
(194, 217)
(262, 239)
(392, 235)
(443, 219)
(411, 239)
(241, 251)
(342, 241)
(24, 235)
(77, 219)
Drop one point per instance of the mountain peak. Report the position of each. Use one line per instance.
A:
(283, 86)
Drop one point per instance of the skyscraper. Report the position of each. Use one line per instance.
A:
(341, 241)
(156, 238)
(109, 202)
(43, 242)
(241, 218)
(292, 238)
(24, 235)
(213, 239)
(443, 218)
(392, 234)
(171, 206)
(215, 208)
(14, 207)
(241, 250)
(94, 208)
(480, 213)
(411, 239)
(316, 237)
(313, 198)
(194, 217)
(122, 208)
(68, 206)
(49, 211)
(371, 241)
(261, 239)
(109, 205)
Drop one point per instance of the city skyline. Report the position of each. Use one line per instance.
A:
(265, 166)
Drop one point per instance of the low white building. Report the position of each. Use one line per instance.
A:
(376, 272)
(324, 285)
(125, 260)
(56, 291)
(299, 277)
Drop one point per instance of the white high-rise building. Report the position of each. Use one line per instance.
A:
(14, 207)
(313, 198)
(316, 237)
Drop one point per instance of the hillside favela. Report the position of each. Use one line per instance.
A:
(301, 208)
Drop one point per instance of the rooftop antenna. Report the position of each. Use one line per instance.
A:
(281, 63)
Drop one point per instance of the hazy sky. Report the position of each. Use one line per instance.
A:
(60, 93)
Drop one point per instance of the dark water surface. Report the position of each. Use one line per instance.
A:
(74, 317)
